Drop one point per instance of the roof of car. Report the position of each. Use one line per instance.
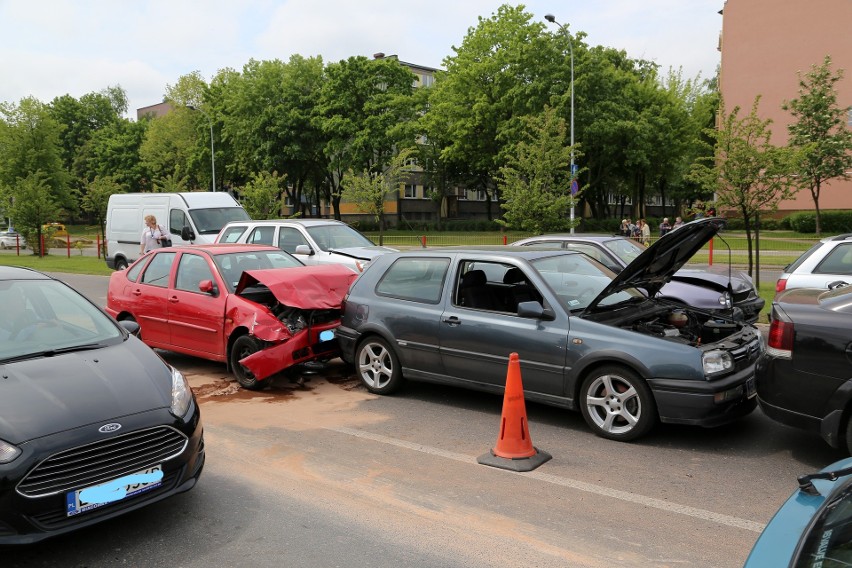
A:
(487, 250)
(21, 273)
(305, 222)
(575, 237)
(225, 248)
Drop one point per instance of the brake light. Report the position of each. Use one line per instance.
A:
(780, 342)
(781, 285)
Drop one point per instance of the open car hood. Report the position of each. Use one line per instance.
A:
(303, 287)
(657, 264)
(363, 253)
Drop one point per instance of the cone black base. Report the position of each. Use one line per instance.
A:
(516, 464)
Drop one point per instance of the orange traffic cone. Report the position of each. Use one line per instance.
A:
(514, 448)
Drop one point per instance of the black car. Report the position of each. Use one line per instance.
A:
(93, 423)
(805, 377)
(588, 339)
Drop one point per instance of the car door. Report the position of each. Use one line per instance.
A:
(476, 340)
(149, 296)
(196, 318)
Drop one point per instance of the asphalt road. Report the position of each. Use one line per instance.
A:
(326, 474)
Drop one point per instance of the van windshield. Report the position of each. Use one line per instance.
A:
(210, 221)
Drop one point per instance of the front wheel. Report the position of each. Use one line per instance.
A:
(378, 366)
(617, 404)
(121, 264)
(243, 347)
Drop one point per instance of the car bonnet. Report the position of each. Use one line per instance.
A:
(362, 253)
(657, 264)
(303, 287)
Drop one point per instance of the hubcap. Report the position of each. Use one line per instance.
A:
(375, 365)
(613, 404)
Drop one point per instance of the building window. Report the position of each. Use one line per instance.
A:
(410, 191)
(481, 195)
(461, 194)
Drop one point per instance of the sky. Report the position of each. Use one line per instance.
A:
(50, 48)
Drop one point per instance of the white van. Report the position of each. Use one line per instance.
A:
(188, 217)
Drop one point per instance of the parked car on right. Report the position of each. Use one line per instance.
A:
(825, 265)
(313, 241)
(804, 379)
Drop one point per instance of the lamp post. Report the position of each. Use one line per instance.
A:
(212, 152)
(552, 19)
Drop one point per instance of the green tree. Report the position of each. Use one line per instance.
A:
(747, 172)
(535, 181)
(819, 132)
(170, 142)
(33, 206)
(114, 152)
(261, 197)
(96, 198)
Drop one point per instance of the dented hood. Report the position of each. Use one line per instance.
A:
(303, 287)
(657, 264)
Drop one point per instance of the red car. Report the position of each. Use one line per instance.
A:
(254, 307)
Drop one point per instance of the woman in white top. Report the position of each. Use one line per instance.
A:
(151, 235)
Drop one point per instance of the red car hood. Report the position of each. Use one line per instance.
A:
(303, 287)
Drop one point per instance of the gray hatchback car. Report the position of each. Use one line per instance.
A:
(588, 339)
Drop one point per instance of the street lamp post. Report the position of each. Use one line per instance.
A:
(552, 19)
(212, 151)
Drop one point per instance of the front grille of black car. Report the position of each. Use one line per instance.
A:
(102, 461)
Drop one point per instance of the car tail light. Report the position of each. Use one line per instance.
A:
(780, 343)
(781, 285)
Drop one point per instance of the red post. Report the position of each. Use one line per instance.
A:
(504, 239)
(423, 241)
(711, 252)
(41, 248)
(99, 244)
(18, 244)
(68, 244)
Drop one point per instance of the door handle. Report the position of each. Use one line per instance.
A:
(452, 320)
(137, 292)
(173, 300)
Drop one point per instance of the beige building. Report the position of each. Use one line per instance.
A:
(764, 44)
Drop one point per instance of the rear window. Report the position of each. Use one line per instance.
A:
(415, 279)
(798, 262)
(838, 261)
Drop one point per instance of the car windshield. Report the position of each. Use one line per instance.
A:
(233, 264)
(625, 249)
(576, 280)
(829, 539)
(210, 221)
(46, 316)
(330, 237)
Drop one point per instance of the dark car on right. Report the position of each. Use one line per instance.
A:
(804, 378)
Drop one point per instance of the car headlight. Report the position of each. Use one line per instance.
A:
(8, 452)
(181, 394)
(725, 300)
(716, 362)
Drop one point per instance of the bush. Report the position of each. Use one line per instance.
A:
(830, 221)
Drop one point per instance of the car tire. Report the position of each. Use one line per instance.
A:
(378, 366)
(121, 264)
(617, 404)
(3, 245)
(244, 346)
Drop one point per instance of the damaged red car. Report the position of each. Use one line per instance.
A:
(256, 308)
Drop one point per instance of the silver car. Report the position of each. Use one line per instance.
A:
(11, 239)
(588, 339)
(827, 264)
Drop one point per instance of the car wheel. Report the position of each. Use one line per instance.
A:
(121, 264)
(243, 347)
(378, 366)
(3, 245)
(617, 404)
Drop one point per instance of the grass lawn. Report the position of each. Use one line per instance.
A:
(76, 263)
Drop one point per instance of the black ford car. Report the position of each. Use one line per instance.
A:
(93, 423)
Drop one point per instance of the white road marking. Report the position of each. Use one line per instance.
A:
(627, 496)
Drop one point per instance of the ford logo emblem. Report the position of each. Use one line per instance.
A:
(108, 428)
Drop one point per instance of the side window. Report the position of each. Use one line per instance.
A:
(177, 221)
(133, 272)
(157, 271)
(192, 269)
(261, 236)
(838, 261)
(232, 234)
(494, 287)
(289, 238)
(415, 279)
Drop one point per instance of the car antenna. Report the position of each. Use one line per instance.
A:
(730, 273)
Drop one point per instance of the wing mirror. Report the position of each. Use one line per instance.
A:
(304, 249)
(187, 233)
(534, 310)
(208, 287)
(837, 284)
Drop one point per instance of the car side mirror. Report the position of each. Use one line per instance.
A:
(187, 233)
(208, 287)
(130, 326)
(534, 310)
(304, 249)
(837, 284)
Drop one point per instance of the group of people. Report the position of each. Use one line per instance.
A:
(641, 231)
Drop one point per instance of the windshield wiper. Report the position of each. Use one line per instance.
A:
(53, 352)
(806, 486)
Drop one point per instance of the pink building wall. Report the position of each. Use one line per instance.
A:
(764, 43)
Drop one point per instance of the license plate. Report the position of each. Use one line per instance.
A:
(89, 498)
(750, 390)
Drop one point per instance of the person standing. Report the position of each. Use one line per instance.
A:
(151, 236)
(665, 227)
(677, 224)
(645, 232)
